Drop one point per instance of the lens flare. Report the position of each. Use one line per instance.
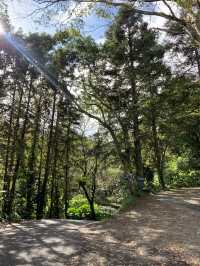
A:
(1, 29)
(22, 50)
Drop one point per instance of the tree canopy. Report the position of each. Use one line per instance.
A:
(143, 114)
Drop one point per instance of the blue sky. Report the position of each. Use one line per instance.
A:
(19, 11)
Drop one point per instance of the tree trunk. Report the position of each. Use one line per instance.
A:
(31, 176)
(157, 152)
(40, 169)
(12, 156)
(90, 201)
(6, 178)
(54, 183)
(138, 149)
(136, 133)
(197, 58)
(67, 168)
(20, 154)
(42, 195)
(135, 115)
(92, 210)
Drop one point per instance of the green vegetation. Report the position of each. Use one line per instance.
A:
(83, 156)
(80, 209)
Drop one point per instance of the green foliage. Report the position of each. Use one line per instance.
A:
(101, 12)
(186, 4)
(181, 179)
(14, 217)
(80, 209)
(180, 174)
(145, 114)
(156, 184)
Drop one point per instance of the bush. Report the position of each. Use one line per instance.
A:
(181, 174)
(80, 209)
(14, 217)
(181, 179)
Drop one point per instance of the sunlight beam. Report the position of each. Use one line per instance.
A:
(22, 50)
(1, 29)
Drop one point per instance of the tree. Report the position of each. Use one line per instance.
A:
(183, 12)
(113, 79)
(92, 160)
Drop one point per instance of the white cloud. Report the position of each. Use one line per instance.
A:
(159, 22)
(162, 7)
(101, 40)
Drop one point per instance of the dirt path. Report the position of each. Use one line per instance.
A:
(161, 230)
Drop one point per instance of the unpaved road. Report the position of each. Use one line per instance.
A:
(160, 230)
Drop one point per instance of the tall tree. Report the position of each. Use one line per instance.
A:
(185, 13)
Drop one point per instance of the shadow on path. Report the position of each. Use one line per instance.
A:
(161, 230)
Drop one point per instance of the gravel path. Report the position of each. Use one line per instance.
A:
(160, 230)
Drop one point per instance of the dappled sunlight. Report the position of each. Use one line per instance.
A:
(152, 233)
(133, 214)
(193, 201)
(54, 240)
(187, 198)
(99, 117)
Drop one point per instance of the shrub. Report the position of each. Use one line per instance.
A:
(14, 217)
(184, 180)
(80, 209)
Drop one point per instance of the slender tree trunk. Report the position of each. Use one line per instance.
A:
(90, 201)
(57, 200)
(128, 167)
(40, 169)
(31, 175)
(123, 159)
(20, 154)
(67, 168)
(42, 197)
(136, 128)
(12, 156)
(6, 178)
(138, 149)
(157, 152)
(136, 133)
(16, 132)
(91, 197)
(118, 147)
(54, 183)
(197, 57)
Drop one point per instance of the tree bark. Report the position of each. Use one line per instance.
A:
(6, 178)
(157, 152)
(135, 115)
(20, 154)
(54, 181)
(31, 175)
(197, 58)
(12, 155)
(66, 170)
(42, 196)
(40, 169)
(90, 201)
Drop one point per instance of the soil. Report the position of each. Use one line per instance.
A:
(162, 229)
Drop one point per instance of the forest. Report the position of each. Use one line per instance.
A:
(83, 123)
